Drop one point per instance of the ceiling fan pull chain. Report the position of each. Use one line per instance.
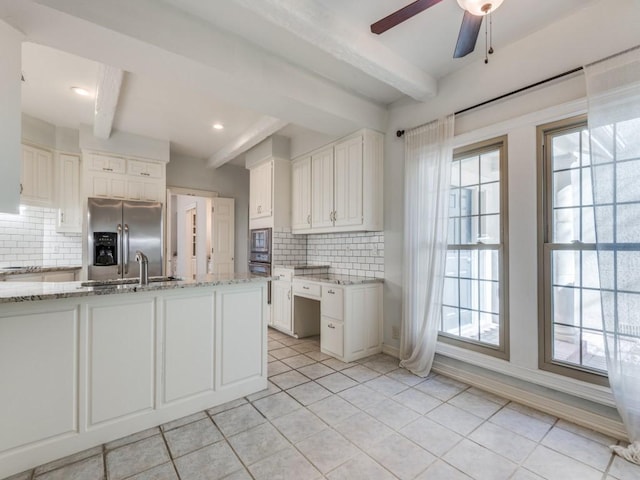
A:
(490, 32)
(486, 43)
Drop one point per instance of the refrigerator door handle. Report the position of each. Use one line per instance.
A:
(126, 249)
(119, 255)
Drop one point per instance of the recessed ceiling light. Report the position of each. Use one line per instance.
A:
(218, 126)
(80, 91)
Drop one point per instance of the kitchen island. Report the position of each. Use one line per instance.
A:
(80, 366)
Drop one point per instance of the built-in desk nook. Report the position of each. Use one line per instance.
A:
(345, 310)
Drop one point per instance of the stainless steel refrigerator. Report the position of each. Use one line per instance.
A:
(116, 229)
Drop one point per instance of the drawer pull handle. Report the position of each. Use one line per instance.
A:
(332, 326)
(331, 292)
(305, 287)
(107, 169)
(145, 174)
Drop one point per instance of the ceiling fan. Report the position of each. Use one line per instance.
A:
(474, 12)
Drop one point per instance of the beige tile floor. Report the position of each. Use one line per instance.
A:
(321, 418)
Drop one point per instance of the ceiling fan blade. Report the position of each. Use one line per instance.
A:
(468, 34)
(401, 15)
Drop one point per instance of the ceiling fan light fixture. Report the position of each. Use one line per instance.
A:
(480, 7)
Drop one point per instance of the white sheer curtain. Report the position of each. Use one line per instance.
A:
(428, 157)
(613, 91)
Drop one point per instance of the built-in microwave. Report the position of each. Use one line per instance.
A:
(260, 245)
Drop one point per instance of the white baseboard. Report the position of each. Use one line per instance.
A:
(544, 403)
(389, 350)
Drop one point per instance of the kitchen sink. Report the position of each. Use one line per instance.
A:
(125, 281)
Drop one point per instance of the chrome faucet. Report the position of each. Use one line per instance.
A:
(143, 261)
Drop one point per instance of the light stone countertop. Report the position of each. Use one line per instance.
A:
(338, 279)
(6, 271)
(11, 292)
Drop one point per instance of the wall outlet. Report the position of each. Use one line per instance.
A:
(395, 332)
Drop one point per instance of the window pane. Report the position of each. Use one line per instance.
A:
(467, 297)
(628, 271)
(591, 309)
(628, 223)
(450, 296)
(603, 178)
(586, 152)
(628, 181)
(566, 188)
(566, 225)
(593, 353)
(450, 321)
(469, 324)
(452, 263)
(465, 263)
(601, 144)
(628, 307)
(489, 267)
(604, 219)
(490, 198)
(490, 229)
(566, 344)
(566, 267)
(454, 202)
(454, 231)
(590, 275)
(565, 150)
(588, 225)
(489, 297)
(489, 328)
(468, 230)
(469, 201)
(566, 305)
(490, 166)
(627, 141)
(469, 171)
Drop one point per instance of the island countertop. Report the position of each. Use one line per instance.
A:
(29, 291)
(9, 271)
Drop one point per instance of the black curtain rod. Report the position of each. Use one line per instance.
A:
(400, 133)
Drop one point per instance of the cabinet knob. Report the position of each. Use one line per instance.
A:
(305, 287)
(331, 326)
(21, 189)
(331, 292)
(309, 219)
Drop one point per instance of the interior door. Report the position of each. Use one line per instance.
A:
(222, 235)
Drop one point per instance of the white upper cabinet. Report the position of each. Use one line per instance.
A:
(68, 198)
(270, 194)
(347, 183)
(36, 182)
(301, 194)
(322, 189)
(261, 185)
(125, 178)
(346, 186)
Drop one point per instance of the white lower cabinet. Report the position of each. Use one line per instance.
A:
(281, 317)
(188, 332)
(39, 376)
(351, 321)
(79, 372)
(120, 354)
(332, 336)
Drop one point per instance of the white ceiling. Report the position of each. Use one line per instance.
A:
(253, 66)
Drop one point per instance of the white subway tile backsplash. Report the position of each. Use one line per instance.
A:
(31, 239)
(360, 253)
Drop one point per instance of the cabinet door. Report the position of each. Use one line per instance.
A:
(69, 207)
(301, 194)
(281, 315)
(37, 178)
(106, 163)
(331, 336)
(322, 189)
(260, 188)
(348, 182)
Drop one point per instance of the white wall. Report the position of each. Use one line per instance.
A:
(599, 30)
(229, 181)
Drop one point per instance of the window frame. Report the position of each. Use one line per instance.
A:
(501, 350)
(546, 247)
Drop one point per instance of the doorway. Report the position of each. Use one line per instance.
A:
(200, 233)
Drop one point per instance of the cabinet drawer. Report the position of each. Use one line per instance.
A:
(144, 169)
(105, 163)
(306, 289)
(332, 302)
(332, 336)
(285, 274)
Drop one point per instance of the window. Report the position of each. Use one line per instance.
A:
(474, 302)
(571, 321)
